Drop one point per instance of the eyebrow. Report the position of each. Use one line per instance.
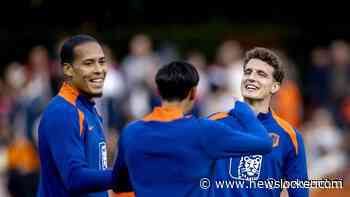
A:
(261, 71)
(93, 59)
(89, 60)
(247, 69)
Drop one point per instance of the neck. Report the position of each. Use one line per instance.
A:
(259, 106)
(83, 93)
(175, 104)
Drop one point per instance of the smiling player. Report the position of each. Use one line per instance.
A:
(72, 146)
(262, 78)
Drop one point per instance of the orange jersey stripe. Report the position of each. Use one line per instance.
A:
(289, 129)
(123, 194)
(81, 121)
(218, 116)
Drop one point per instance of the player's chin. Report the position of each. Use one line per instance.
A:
(250, 95)
(95, 92)
(97, 95)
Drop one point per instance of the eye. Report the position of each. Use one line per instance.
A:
(262, 74)
(88, 63)
(102, 61)
(247, 71)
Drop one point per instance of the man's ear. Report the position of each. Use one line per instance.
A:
(275, 87)
(68, 70)
(193, 93)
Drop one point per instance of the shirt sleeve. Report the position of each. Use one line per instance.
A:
(66, 146)
(221, 141)
(244, 114)
(122, 183)
(296, 168)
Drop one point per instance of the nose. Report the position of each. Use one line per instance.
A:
(100, 68)
(250, 78)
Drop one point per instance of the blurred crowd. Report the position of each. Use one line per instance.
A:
(317, 102)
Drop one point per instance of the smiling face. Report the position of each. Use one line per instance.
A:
(258, 82)
(88, 69)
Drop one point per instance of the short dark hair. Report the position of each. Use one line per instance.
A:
(268, 57)
(67, 50)
(175, 80)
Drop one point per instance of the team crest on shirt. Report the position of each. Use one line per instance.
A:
(102, 155)
(249, 167)
(275, 139)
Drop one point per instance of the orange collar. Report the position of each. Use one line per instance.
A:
(164, 114)
(69, 93)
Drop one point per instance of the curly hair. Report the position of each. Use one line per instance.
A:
(268, 57)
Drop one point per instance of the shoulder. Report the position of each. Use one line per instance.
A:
(60, 117)
(212, 125)
(59, 107)
(289, 131)
(133, 126)
(59, 111)
(133, 130)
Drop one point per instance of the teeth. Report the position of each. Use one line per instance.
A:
(251, 87)
(97, 80)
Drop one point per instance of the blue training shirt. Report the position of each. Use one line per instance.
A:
(167, 154)
(72, 148)
(286, 162)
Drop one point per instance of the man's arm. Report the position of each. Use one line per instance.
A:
(248, 119)
(62, 132)
(296, 168)
(221, 141)
(122, 183)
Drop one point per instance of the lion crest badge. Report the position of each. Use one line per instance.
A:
(249, 167)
